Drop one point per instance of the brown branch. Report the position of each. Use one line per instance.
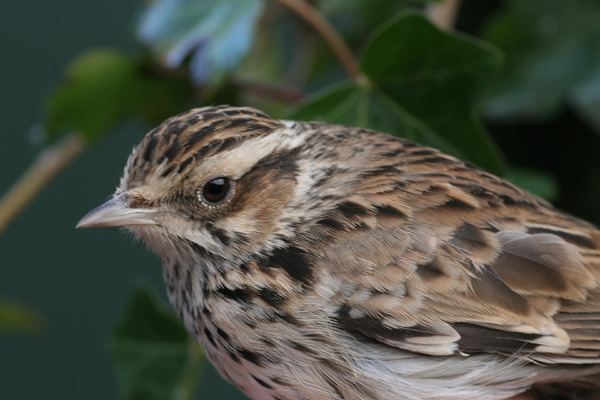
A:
(44, 168)
(315, 19)
(444, 13)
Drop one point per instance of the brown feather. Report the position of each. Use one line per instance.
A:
(464, 247)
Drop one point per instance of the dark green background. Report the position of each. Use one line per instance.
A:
(78, 280)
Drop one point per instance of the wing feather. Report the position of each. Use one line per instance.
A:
(443, 258)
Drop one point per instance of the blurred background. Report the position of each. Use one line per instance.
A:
(78, 282)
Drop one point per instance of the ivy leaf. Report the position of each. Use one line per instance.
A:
(94, 95)
(437, 77)
(155, 357)
(103, 87)
(552, 59)
(423, 85)
(215, 35)
(18, 318)
(350, 104)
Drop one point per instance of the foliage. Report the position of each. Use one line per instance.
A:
(214, 34)
(410, 98)
(552, 55)
(154, 355)
(103, 86)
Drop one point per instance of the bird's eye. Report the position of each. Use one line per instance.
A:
(216, 191)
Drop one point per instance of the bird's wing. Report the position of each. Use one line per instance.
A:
(440, 258)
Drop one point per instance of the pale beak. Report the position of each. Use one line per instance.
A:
(116, 212)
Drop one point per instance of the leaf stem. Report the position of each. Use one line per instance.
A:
(444, 13)
(315, 19)
(45, 167)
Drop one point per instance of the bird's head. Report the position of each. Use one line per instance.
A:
(217, 178)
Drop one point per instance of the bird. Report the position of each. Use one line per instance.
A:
(327, 262)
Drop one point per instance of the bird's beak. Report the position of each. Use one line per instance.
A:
(117, 212)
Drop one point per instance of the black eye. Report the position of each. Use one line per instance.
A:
(216, 191)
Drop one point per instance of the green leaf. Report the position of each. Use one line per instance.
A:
(215, 35)
(423, 85)
(438, 78)
(354, 105)
(155, 357)
(103, 87)
(94, 96)
(18, 318)
(552, 58)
